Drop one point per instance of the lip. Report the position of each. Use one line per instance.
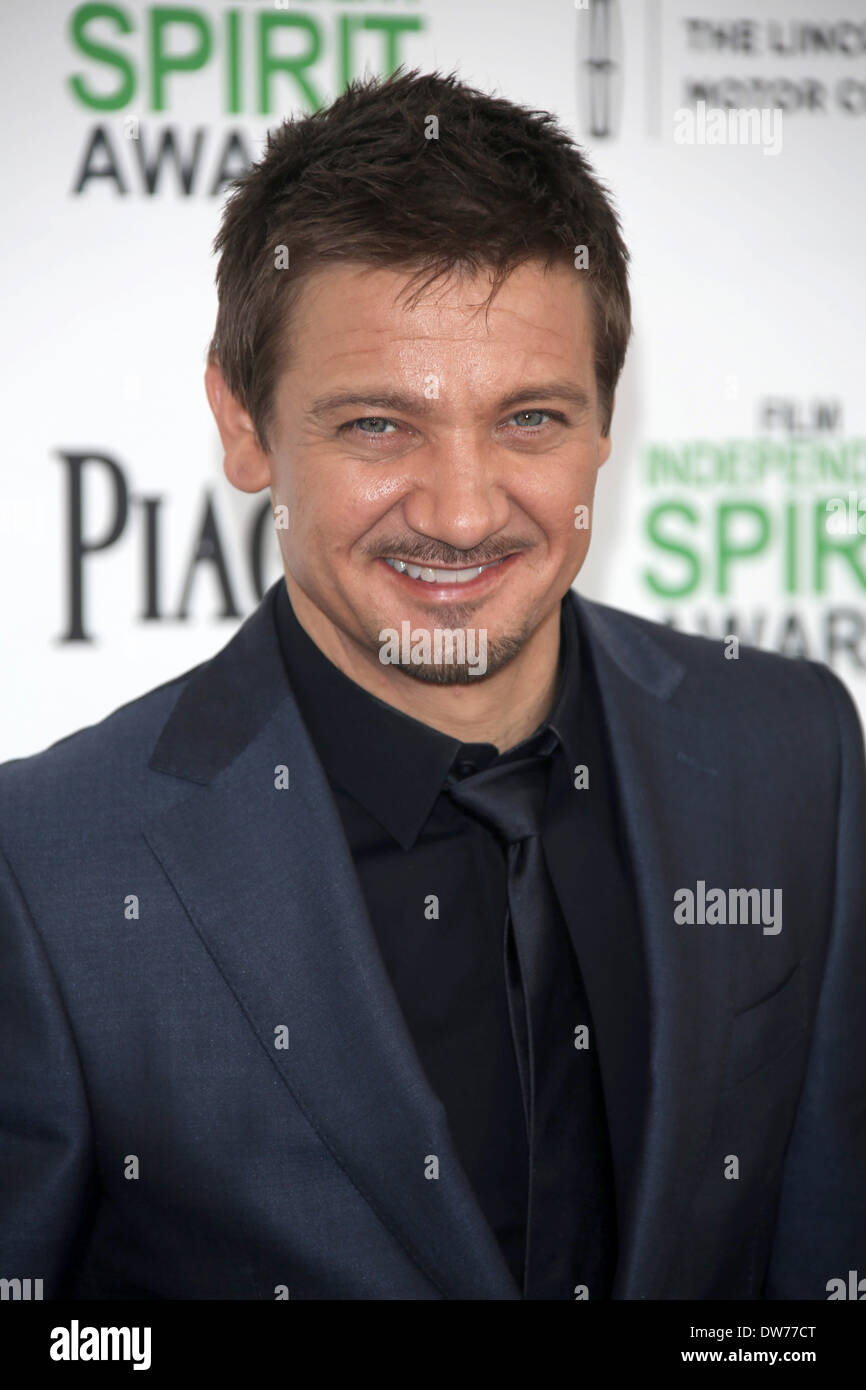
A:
(441, 593)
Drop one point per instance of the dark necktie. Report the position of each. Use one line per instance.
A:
(571, 1227)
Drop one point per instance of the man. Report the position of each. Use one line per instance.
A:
(447, 935)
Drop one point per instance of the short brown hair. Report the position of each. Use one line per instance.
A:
(362, 181)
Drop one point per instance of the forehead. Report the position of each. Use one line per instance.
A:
(350, 315)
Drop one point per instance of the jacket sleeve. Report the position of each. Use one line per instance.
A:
(820, 1229)
(47, 1184)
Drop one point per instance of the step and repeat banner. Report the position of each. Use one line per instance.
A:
(733, 136)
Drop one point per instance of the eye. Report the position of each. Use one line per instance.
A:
(532, 420)
(377, 421)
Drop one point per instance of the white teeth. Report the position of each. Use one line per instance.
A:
(439, 576)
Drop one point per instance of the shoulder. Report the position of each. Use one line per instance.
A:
(88, 776)
(98, 785)
(781, 697)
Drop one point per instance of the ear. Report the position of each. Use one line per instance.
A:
(604, 440)
(246, 464)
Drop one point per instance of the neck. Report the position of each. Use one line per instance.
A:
(502, 709)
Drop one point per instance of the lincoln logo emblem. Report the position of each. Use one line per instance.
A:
(599, 67)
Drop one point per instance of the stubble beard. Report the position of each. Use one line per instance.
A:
(499, 650)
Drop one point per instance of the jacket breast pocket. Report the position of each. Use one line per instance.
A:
(769, 1029)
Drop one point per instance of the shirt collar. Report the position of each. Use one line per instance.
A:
(393, 765)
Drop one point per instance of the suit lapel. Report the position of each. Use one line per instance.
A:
(673, 781)
(267, 880)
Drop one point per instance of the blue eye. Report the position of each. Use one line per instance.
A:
(369, 420)
(521, 415)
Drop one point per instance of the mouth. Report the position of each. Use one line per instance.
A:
(445, 581)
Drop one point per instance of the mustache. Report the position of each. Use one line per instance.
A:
(444, 556)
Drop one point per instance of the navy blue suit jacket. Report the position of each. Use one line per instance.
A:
(148, 1044)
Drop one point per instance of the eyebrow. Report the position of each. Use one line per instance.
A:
(409, 404)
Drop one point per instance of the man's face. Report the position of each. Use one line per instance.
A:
(441, 438)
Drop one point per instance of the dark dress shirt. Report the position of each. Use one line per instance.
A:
(411, 843)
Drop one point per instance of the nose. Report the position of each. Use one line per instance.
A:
(459, 494)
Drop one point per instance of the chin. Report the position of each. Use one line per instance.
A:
(467, 667)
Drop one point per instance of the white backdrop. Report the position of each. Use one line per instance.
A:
(739, 417)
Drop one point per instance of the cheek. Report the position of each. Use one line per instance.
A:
(336, 509)
(323, 496)
(558, 495)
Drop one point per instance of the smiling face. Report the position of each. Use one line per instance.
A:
(433, 462)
